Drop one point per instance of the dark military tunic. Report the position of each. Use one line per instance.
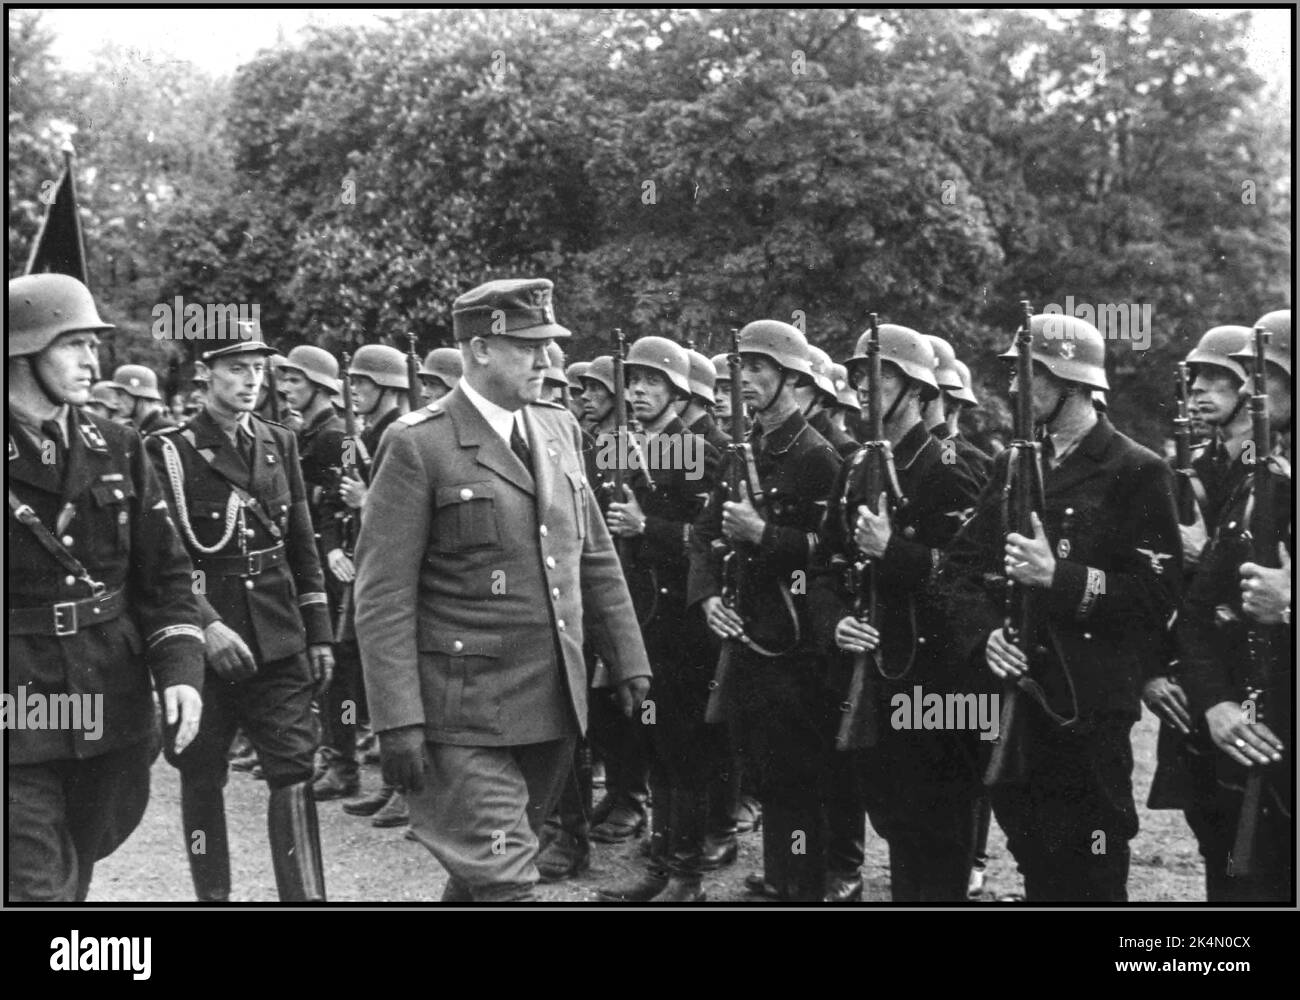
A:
(156, 420)
(978, 462)
(1113, 528)
(823, 424)
(100, 498)
(1214, 641)
(780, 714)
(264, 581)
(920, 786)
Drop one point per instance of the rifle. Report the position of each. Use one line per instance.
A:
(1022, 486)
(412, 373)
(271, 408)
(859, 719)
(734, 560)
(1183, 448)
(1262, 532)
(620, 432)
(351, 448)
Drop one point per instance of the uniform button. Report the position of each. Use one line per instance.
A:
(555, 591)
(215, 515)
(1087, 635)
(1069, 510)
(249, 532)
(560, 624)
(249, 585)
(117, 494)
(543, 531)
(457, 646)
(466, 494)
(920, 639)
(550, 562)
(66, 540)
(69, 580)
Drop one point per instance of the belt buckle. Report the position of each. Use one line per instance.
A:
(253, 565)
(63, 612)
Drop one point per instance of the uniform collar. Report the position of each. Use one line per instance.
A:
(780, 439)
(33, 425)
(911, 443)
(227, 425)
(498, 418)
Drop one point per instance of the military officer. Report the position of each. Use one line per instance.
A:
(482, 562)
(1233, 601)
(99, 604)
(1103, 588)
(921, 788)
(439, 373)
(778, 710)
(236, 491)
(687, 753)
(141, 401)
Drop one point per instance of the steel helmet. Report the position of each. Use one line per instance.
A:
(105, 394)
(384, 365)
(721, 370)
(1070, 348)
(600, 371)
(555, 366)
(137, 381)
(1217, 346)
(315, 364)
(945, 372)
(703, 376)
(575, 372)
(661, 355)
(444, 364)
(966, 394)
(43, 306)
(781, 343)
(820, 362)
(908, 350)
(843, 391)
(1278, 349)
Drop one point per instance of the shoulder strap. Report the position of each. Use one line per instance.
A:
(52, 545)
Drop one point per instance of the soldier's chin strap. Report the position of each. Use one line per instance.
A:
(41, 384)
(776, 395)
(1065, 393)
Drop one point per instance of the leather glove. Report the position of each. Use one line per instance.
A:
(401, 752)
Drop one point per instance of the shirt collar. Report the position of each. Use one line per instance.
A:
(33, 425)
(1062, 445)
(227, 425)
(499, 418)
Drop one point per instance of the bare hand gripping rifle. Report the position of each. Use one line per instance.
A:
(859, 720)
(740, 466)
(1264, 533)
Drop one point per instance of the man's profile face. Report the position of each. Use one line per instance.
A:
(365, 394)
(236, 381)
(69, 366)
(1215, 392)
(597, 401)
(295, 389)
(513, 368)
(432, 388)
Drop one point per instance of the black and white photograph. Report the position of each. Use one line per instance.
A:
(651, 458)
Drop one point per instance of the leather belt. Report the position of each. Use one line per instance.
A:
(250, 564)
(67, 617)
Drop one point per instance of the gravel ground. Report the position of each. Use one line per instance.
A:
(367, 865)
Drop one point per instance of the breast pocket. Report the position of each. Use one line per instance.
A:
(465, 517)
(113, 508)
(578, 487)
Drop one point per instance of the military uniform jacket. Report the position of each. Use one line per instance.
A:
(1112, 526)
(978, 462)
(105, 504)
(476, 581)
(282, 608)
(671, 510)
(936, 497)
(796, 470)
(838, 439)
(713, 432)
(1213, 633)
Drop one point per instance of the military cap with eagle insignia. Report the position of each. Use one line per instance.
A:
(516, 307)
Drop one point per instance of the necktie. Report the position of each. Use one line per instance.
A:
(520, 446)
(244, 442)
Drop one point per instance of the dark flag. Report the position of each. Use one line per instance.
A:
(59, 247)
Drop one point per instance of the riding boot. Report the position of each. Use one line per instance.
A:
(203, 817)
(295, 844)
